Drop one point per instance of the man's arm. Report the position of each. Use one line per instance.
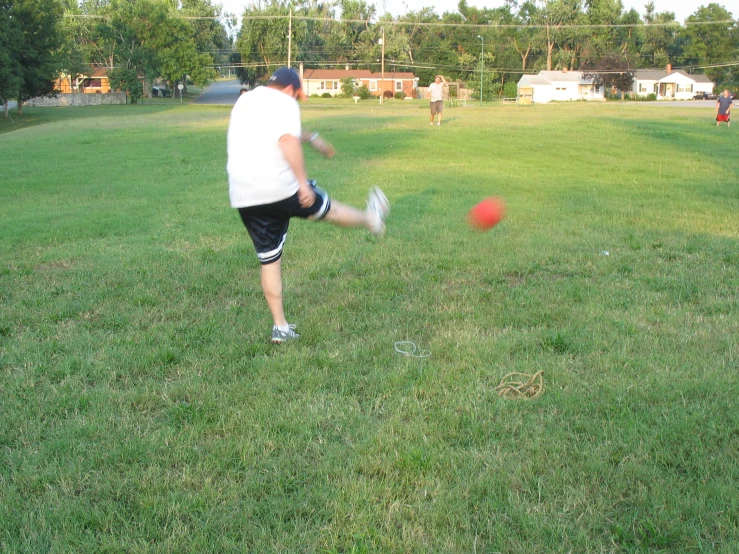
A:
(292, 149)
(318, 143)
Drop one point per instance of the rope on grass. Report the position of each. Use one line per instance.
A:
(409, 348)
(531, 388)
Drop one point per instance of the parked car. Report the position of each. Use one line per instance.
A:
(704, 96)
(160, 91)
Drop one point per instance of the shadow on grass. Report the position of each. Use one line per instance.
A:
(32, 117)
(687, 135)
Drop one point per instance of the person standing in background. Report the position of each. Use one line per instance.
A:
(723, 108)
(436, 91)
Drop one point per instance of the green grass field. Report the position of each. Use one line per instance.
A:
(142, 408)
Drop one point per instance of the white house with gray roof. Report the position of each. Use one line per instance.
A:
(670, 85)
(558, 86)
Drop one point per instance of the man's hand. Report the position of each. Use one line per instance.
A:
(320, 145)
(323, 147)
(306, 195)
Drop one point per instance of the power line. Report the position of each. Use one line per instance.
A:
(394, 63)
(555, 26)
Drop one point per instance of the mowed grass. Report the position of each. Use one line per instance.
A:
(143, 410)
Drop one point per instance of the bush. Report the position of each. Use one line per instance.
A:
(364, 93)
(326, 95)
(387, 94)
(314, 95)
(126, 80)
(651, 97)
(400, 95)
(510, 89)
(347, 87)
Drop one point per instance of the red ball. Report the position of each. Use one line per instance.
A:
(487, 214)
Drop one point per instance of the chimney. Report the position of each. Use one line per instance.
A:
(669, 68)
(301, 70)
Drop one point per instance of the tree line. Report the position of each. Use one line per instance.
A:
(182, 41)
(503, 42)
(137, 41)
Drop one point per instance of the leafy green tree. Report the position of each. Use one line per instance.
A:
(601, 39)
(348, 88)
(262, 42)
(424, 45)
(712, 43)
(524, 39)
(39, 23)
(73, 54)
(11, 72)
(556, 16)
(612, 71)
(155, 38)
(659, 46)
(210, 36)
(630, 39)
(126, 80)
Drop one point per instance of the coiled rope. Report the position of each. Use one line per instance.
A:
(531, 388)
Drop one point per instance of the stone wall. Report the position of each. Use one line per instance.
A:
(77, 99)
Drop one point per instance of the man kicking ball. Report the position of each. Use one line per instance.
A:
(268, 183)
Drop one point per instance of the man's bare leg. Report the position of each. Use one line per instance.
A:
(373, 218)
(272, 288)
(347, 216)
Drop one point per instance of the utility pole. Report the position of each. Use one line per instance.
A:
(382, 74)
(482, 63)
(290, 38)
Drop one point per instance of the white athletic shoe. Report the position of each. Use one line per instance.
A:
(378, 208)
(278, 337)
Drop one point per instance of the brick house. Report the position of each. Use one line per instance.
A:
(95, 81)
(320, 81)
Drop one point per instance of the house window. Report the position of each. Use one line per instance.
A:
(399, 86)
(373, 86)
(561, 88)
(642, 87)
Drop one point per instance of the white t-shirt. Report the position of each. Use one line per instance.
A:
(258, 172)
(437, 91)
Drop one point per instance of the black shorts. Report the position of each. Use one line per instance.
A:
(267, 224)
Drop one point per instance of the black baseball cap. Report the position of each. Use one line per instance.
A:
(287, 77)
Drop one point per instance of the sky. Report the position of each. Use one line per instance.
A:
(681, 8)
